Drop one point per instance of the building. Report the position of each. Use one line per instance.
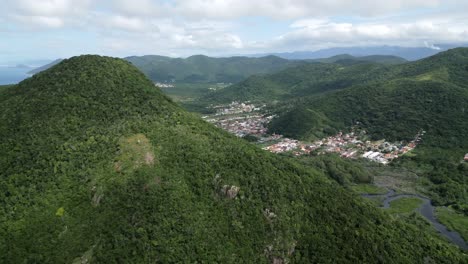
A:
(466, 157)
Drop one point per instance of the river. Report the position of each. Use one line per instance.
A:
(427, 211)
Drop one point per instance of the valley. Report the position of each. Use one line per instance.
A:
(290, 127)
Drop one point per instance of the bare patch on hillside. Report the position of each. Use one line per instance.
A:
(134, 152)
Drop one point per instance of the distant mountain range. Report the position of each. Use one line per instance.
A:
(45, 67)
(408, 53)
(204, 69)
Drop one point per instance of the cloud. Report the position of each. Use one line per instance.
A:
(220, 27)
(309, 34)
(431, 46)
(45, 13)
(294, 9)
(131, 24)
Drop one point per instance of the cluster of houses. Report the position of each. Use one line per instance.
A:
(163, 85)
(243, 119)
(284, 145)
(348, 146)
(243, 125)
(236, 108)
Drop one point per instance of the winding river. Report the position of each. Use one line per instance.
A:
(427, 211)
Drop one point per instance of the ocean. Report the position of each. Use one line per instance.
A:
(12, 75)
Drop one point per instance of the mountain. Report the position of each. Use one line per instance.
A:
(311, 79)
(430, 95)
(347, 59)
(408, 53)
(203, 69)
(402, 87)
(97, 165)
(45, 67)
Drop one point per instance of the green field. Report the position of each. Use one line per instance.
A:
(404, 205)
(453, 220)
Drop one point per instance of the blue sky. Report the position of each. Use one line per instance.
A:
(48, 29)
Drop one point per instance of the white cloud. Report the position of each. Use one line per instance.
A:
(293, 9)
(118, 22)
(40, 21)
(138, 7)
(308, 34)
(216, 27)
(45, 13)
(50, 7)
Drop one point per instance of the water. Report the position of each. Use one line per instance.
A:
(12, 75)
(427, 211)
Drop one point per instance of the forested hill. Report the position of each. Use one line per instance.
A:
(340, 73)
(98, 166)
(429, 95)
(296, 82)
(349, 59)
(204, 69)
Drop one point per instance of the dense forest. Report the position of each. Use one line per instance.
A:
(204, 69)
(97, 165)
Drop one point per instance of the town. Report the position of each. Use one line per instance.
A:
(349, 145)
(242, 119)
(163, 85)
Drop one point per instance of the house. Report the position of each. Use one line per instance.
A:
(466, 157)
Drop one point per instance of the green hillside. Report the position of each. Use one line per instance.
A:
(347, 59)
(431, 94)
(296, 82)
(204, 69)
(341, 72)
(98, 166)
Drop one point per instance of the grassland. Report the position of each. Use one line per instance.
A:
(404, 205)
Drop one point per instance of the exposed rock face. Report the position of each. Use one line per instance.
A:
(269, 214)
(230, 191)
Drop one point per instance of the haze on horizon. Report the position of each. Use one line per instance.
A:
(51, 29)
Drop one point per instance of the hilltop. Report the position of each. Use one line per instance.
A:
(408, 53)
(100, 166)
(347, 59)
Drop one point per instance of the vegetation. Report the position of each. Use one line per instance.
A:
(344, 172)
(97, 165)
(296, 82)
(203, 69)
(368, 189)
(454, 220)
(187, 92)
(430, 94)
(346, 59)
(404, 205)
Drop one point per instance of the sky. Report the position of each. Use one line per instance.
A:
(49, 29)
